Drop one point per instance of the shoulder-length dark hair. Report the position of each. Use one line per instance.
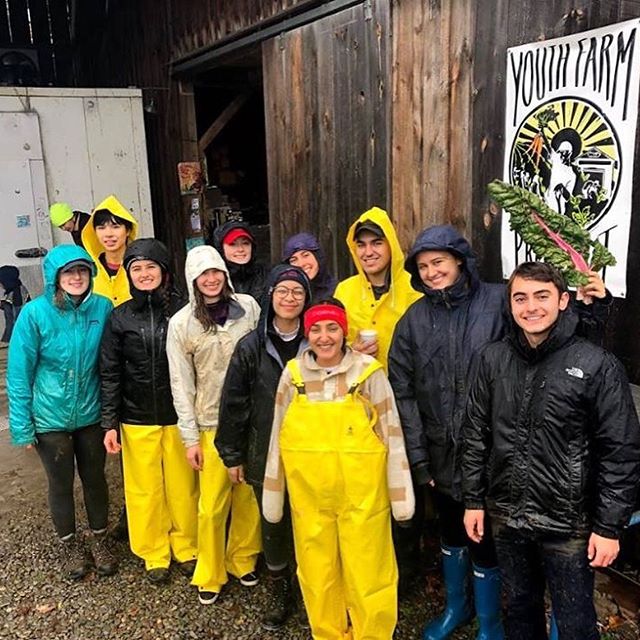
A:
(201, 312)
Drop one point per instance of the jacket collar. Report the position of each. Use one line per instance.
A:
(562, 332)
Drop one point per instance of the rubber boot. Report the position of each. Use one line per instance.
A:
(458, 611)
(487, 597)
(553, 627)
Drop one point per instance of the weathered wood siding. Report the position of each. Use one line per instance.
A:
(431, 173)
(44, 27)
(198, 24)
(327, 120)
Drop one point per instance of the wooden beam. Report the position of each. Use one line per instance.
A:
(221, 121)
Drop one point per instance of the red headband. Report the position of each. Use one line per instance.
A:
(321, 312)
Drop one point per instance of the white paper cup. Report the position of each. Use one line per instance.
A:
(368, 335)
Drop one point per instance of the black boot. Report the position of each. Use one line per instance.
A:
(280, 602)
(121, 530)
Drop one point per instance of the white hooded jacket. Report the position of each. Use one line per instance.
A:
(198, 359)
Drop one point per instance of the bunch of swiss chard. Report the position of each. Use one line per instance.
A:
(552, 237)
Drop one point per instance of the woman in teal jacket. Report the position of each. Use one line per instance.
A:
(53, 388)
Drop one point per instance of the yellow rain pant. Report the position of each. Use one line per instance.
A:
(217, 497)
(335, 469)
(161, 494)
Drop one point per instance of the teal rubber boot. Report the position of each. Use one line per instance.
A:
(458, 610)
(553, 628)
(487, 589)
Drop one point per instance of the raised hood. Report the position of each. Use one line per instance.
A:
(381, 218)
(57, 258)
(199, 259)
(89, 237)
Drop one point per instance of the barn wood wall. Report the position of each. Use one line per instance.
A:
(133, 44)
(198, 24)
(48, 32)
(327, 113)
(431, 174)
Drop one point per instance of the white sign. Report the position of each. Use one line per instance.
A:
(571, 113)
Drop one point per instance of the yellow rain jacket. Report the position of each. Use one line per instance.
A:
(356, 293)
(115, 288)
(337, 447)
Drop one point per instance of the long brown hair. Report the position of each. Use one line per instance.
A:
(200, 311)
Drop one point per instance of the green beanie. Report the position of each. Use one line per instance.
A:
(60, 213)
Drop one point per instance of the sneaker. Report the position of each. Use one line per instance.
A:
(104, 560)
(207, 597)
(280, 603)
(75, 561)
(249, 579)
(187, 568)
(160, 575)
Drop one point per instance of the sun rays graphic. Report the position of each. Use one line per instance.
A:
(574, 114)
(575, 128)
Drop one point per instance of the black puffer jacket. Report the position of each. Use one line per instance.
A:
(248, 395)
(552, 441)
(430, 358)
(133, 362)
(248, 278)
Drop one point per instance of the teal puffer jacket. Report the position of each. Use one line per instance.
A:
(53, 379)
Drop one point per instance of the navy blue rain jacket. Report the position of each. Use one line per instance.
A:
(431, 355)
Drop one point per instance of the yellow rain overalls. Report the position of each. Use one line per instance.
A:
(161, 494)
(335, 471)
(236, 553)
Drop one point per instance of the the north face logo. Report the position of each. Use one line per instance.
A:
(575, 372)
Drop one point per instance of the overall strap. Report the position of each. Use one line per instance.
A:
(296, 377)
(373, 366)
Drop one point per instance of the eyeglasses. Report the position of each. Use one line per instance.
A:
(283, 292)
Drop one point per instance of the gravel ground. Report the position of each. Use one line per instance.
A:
(36, 603)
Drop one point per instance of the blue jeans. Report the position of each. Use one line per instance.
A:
(529, 560)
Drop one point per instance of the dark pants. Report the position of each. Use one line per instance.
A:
(277, 539)
(526, 560)
(406, 539)
(10, 317)
(59, 450)
(453, 533)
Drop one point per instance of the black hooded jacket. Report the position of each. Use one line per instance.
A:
(552, 440)
(247, 278)
(430, 358)
(249, 391)
(133, 362)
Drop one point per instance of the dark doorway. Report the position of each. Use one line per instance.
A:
(231, 127)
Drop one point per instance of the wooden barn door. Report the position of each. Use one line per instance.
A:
(327, 126)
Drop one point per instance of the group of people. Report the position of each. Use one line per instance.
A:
(285, 413)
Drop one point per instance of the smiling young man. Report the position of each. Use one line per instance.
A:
(378, 295)
(552, 453)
